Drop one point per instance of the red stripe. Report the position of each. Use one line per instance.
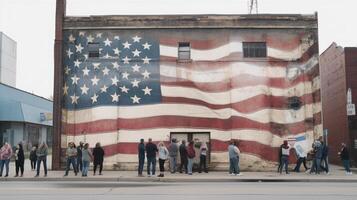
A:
(233, 123)
(240, 81)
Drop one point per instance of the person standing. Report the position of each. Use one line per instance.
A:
(279, 159)
(79, 156)
(301, 159)
(19, 160)
(5, 155)
(191, 155)
(183, 156)
(233, 153)
(285, 151)
(324, 161)
(86, 158)
(345, 157)
(163, 155)
(41, 154)
(151, 150)
(71, 154)
(203, 158)
(141, 155)
(33, 158)
(317, 147)
(173, 151)
(98, 155)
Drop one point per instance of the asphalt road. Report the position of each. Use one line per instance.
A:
(177, 191)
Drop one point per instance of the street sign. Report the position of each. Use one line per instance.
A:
(351, 110)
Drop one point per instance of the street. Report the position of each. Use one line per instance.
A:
(151, 190)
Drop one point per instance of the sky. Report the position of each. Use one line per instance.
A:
(31, 23)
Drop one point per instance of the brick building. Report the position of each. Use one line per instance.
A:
(338, 77)
(207, 78)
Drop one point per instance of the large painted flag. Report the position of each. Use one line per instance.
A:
(137, 89)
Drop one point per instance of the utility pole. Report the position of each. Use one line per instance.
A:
(253, 5)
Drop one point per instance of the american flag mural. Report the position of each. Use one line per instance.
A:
(137, 88)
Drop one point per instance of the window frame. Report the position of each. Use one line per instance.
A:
(181, 45)
(253, 50)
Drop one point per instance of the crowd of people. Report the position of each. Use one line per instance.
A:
(81, 156)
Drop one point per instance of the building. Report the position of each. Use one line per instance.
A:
(339, 94)
(207, 78)
(24, 117)
(7, 60)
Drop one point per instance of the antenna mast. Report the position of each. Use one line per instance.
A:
(253, 5)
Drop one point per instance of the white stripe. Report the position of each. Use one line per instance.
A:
(129, 136)
(134, 112)
(227, 49)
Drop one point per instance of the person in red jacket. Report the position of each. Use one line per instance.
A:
(191, 155)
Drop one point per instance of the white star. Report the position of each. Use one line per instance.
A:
(81, 33)
(86, 71)
(116, 51)
(69, 53)
(126, 45)
(124, 89)
(84, 89)
(115, 97)
(95, 80)
(107, 56)
(146, 74)
(136, 68)
(136, 38)
(135, 83)
(147, 46)
(126, 60)
(77, 63)
(99, 35)
(75, 79)
(146, 60)
(67, 70)
(116, 37)
(147, 91)
(79, 48)
(105, 71)
(74, 99)
(135, 99)
(71, 39)
(86, 56)
(104, 88)
(90, 39)
(116, 65)
(96, 65)
(65, 89)
(136, 53)
(107, 42)
(125, 75)
(94, 98)
(115, 80)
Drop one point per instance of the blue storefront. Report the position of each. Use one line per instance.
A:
(24, 117)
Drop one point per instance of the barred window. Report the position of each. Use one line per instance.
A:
(93, 50)
(254, 49)
(184, 51)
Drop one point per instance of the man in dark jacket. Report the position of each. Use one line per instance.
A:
(183, 156)
(324, 163)
(151, 150)
(79, 156)
(345, 157)
(141, 155)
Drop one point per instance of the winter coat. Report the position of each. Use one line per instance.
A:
(151, 150)
(98, 154)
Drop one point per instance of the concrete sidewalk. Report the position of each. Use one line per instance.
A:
(337, 175)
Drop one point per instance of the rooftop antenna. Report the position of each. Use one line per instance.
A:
(253, 5)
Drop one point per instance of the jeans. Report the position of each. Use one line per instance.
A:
(346, 165)
(141, 165)
(203, 163)
(95, 165)
(19, 166)
(234, 165)
(325, 167)
(183, 163)
(79, 164)
(162, 165)
(190, 165)
(152, 164)
(33, 164)
(298, 164)
(44, 160)
(6, 163)
(316, 164)
(284, 162)
(173, 161)
(85, 168)
(71, 160)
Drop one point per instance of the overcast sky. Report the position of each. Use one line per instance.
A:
(31, 23)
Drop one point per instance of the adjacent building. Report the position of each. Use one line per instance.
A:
(206, 78)
(7, 60)
(339, 94)
(24, 117)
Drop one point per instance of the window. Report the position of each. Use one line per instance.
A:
(294, 103)
(93, 50)
(184, 51)
(254, 49)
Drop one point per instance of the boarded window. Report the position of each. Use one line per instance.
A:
(294, 103)
(184, 51)
(93, 50)
(254, 49)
